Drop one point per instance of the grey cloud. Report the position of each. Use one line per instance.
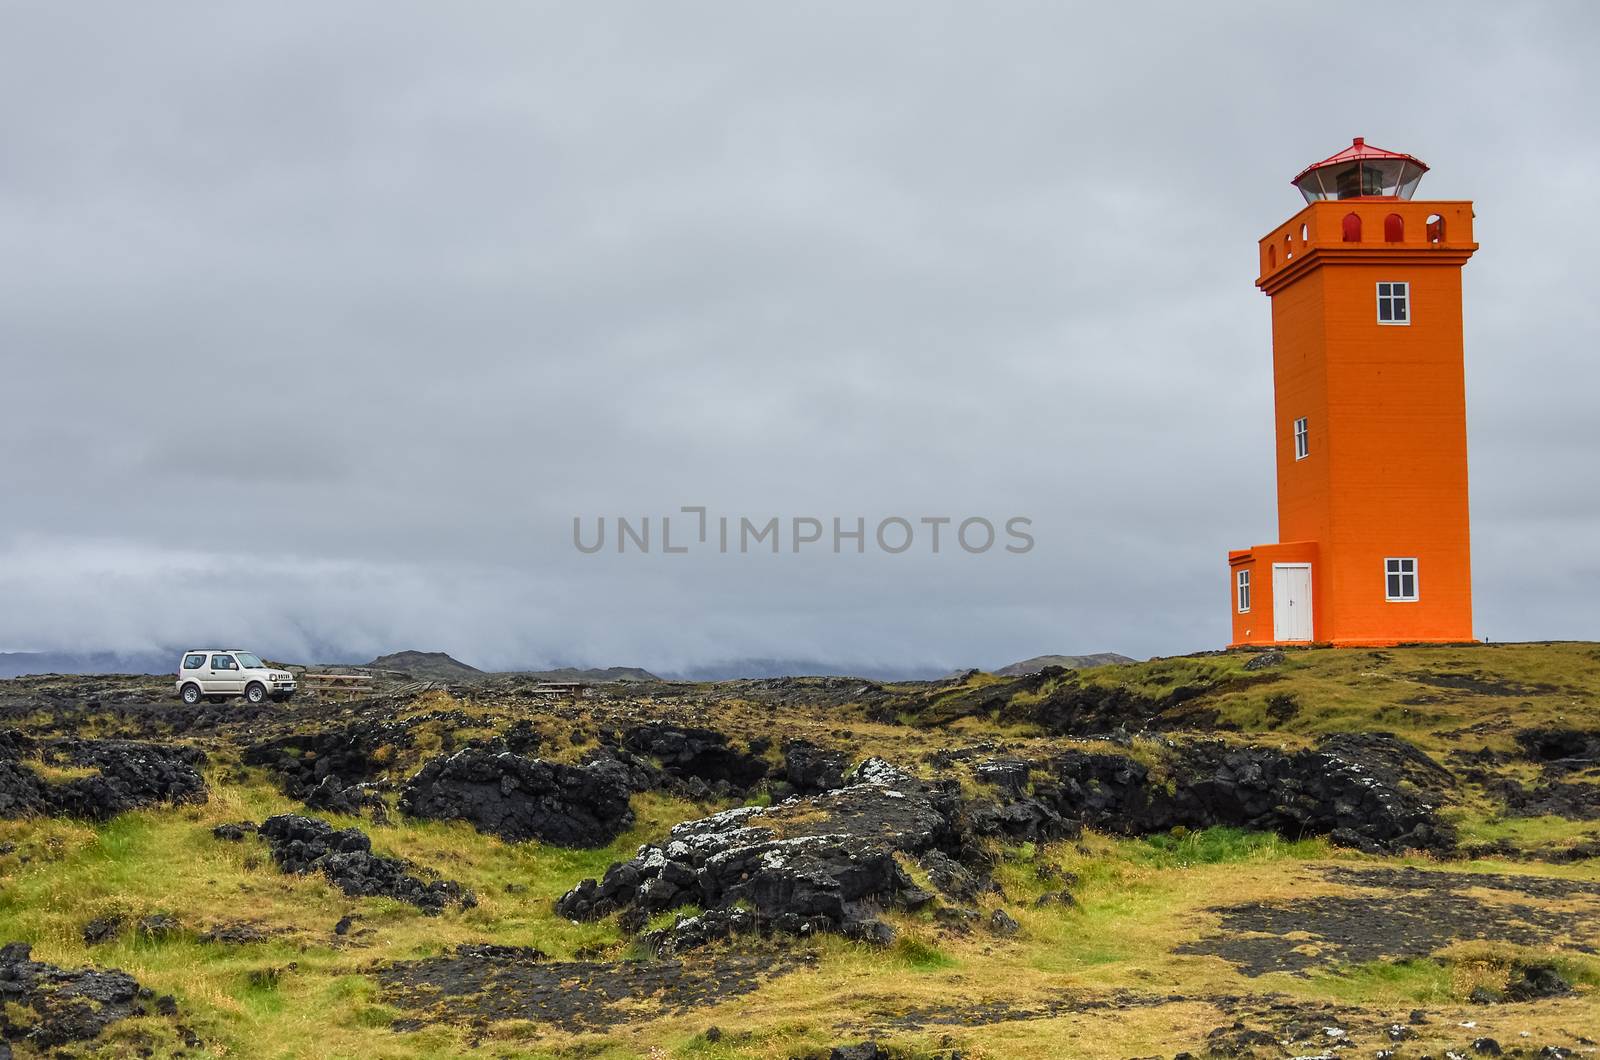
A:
(459, 275)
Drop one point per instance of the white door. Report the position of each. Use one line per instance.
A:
(1291, 601)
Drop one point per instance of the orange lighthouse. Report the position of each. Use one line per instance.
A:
(1370, 415)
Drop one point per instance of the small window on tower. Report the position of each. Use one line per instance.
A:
(1394, 303)
(1244, 591)
(1400, 577)
(1302, 439)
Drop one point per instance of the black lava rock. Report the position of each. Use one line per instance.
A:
(102, 929)
(303, 845)
(1529, 982)
(327, 770)
(159, 927)
(128, 774)
(822, 863)
(520, 798)
(66, 1006)
(859, 1051)
(1031, 820)
(702, 754)
(810, 769)
(1265, 660)
(1332, 791)
(1002, 923)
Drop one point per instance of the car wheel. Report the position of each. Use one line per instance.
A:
(254, 692)
(191, 695)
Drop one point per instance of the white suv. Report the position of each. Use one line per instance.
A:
(218, 673)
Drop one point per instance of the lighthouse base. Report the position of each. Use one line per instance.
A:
(1291, 593)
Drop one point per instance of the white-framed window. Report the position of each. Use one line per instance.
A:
(1394, 303)
(1243, 582)
(1302, 439)
(1400, 579)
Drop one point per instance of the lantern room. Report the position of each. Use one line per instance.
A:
(1361, 171)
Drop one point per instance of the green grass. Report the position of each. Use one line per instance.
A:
(1525, 833)
(1418, 981)
(1221, 845)
(304, 992)
(915, 952)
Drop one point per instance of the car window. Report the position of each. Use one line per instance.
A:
(249, 660)
(223, 662)
(193, 662)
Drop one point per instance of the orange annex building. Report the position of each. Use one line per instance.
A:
(1370, 415)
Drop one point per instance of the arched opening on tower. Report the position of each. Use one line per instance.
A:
(1352, 227)
(1394, 229)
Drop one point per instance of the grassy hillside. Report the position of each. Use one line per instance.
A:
(1165, 942)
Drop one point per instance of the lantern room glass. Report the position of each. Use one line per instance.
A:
(1387, 178)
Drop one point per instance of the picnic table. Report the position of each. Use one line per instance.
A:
(560, 689)
(326, 684)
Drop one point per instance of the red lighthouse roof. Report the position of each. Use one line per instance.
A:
(1361, 171)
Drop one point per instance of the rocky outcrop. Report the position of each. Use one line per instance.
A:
(829, 861)
(1265, 660)
(1058, 700)
(1568, 784)
(822, 863)
(1562, 748)
(303, 845)
(126, 775)
(303, 761)
(1326, 791)
(330, 770)
(1022, 820)
(810, 769)
(59, 1007)
(519, 798)
(698, 754)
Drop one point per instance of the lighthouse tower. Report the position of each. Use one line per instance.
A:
(1369, 412)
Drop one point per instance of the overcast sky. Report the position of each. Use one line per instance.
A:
(321, 323)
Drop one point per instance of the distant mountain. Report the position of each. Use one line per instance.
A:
(426, 665)
(736, 669)
(609, 673)
(22, 663)
(1069, 662)
(437, 666)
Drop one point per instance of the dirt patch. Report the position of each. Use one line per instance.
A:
(496, 983)
(895, 1016)
(1401, 913)
(1412, 879)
